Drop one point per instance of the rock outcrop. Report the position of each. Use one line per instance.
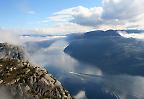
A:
(23, 80)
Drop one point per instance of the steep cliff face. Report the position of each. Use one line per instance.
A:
(23, 80)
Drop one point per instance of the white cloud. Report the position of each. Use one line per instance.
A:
(81, 95)
(31, 12)
(4, 93)
(9, 36)
(122, 9)
(113, 14)
(63, 28)
(88, 17)
(80, 15)
(132, 35)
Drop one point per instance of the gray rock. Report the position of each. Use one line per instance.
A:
(25, 80)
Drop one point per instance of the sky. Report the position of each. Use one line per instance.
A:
(70, 16)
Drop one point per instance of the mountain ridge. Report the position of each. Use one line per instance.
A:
(113, 54)
(23, 80)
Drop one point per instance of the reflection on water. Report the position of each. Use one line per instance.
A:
(84, 80)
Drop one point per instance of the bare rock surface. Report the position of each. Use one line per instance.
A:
(23, 80)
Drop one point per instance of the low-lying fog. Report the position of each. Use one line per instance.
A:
(85, 80)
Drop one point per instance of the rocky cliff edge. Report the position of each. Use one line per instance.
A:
(23, 80)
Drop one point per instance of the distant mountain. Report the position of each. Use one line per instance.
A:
(134, 31)
(109, 51)
(100, 33)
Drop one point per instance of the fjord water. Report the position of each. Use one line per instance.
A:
(83, 80)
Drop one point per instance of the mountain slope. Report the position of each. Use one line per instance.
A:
(109, 51)
(23, 80)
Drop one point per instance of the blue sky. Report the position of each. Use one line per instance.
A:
(27, 13)
(71, 16)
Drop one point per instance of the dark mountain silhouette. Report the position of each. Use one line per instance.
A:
(109, 51)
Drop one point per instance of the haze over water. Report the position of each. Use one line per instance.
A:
(85, 80)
